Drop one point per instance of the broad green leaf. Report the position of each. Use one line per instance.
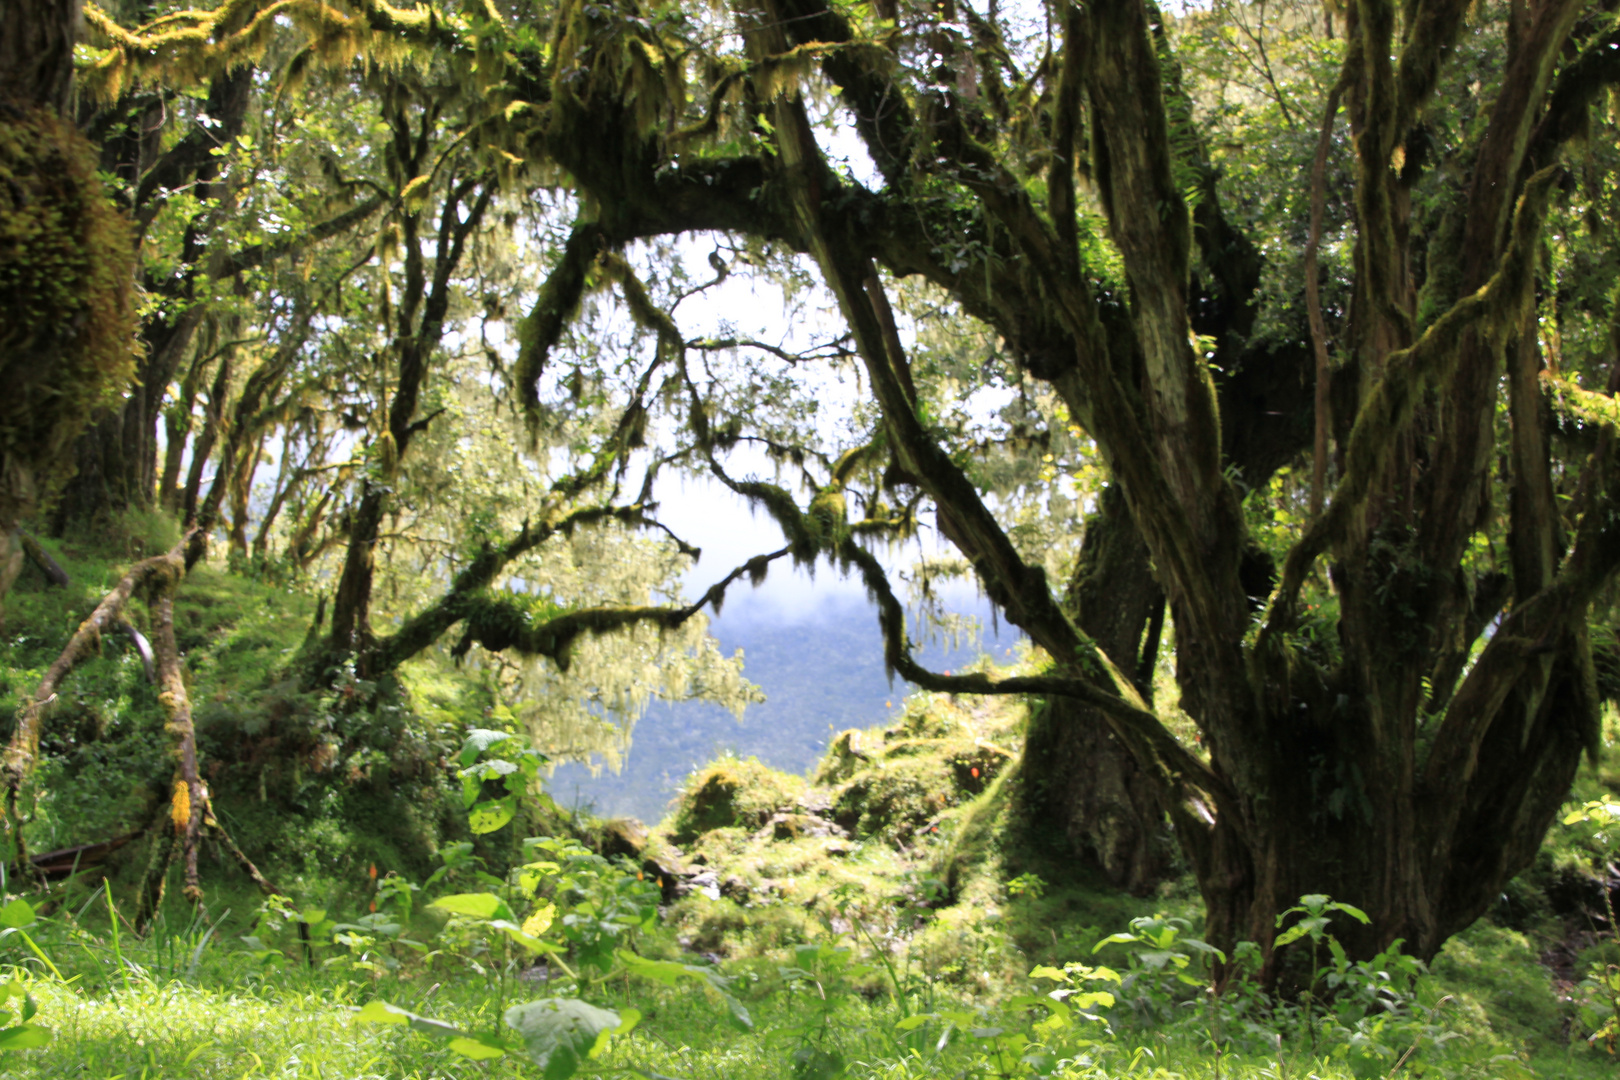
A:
(479, 740)
(1029, 1001)
(912, 1023)
(24, 1037)
(540, 921)
(739, 1012)
(1354, 912)
(481, 905)
(667, 972)
(1288, 937)
(561, 1033)
(628, 1019)
(1115, 939)
(533, 944)
(17, 914)
(477, 1051)
(1045, 972)
(380, 1012)
(491, 814)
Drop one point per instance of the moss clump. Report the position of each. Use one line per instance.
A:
(846, 755)
(67, 311)
(913, 783)
(732, 793)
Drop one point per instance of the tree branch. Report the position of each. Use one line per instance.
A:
(18, 761)
(1389, 409)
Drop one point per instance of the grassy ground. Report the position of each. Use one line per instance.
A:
(164, 1007)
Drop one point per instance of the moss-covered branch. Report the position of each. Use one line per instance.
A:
(18, 761)
(467, 590)
(553, 308)
(498, 623)
(1178, 768)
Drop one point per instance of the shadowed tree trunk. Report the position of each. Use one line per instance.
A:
(64, 353)
(1079, 780)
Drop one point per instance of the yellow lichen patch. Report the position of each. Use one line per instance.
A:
(180, 806)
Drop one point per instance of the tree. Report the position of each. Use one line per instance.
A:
(66, 269)
(1392, 712)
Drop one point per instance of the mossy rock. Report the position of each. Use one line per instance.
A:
(896, 798)
(621, 836)
(846, 755)
(732, 793)
(974, 831)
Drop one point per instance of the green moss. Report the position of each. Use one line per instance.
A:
(1497, 972)
(67, 310)
(732, 792)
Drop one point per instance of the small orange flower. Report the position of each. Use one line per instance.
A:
(975, 772)
(373, 871)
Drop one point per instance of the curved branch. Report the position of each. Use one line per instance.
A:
(497, 624)
(559, 298)
(1130, 718)
(421, 630)
(1578, 85)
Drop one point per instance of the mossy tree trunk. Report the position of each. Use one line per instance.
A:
(419, 314)
(66, 279)
(1087, 797)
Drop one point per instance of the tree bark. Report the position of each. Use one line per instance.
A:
(190, 797)
(1088, 796)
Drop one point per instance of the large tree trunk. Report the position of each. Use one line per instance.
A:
(1088, 796)
(36, 52)
(63, 353)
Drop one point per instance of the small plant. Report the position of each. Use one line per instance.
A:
(1600, 1009)
(23, 1035)
(1161, 960)
(1029, 885)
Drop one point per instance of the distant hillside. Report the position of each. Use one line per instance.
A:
(821, 672)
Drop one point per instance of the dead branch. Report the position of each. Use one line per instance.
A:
(17, 763)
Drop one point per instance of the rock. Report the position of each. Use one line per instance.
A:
(785, 826)
(706, 882)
